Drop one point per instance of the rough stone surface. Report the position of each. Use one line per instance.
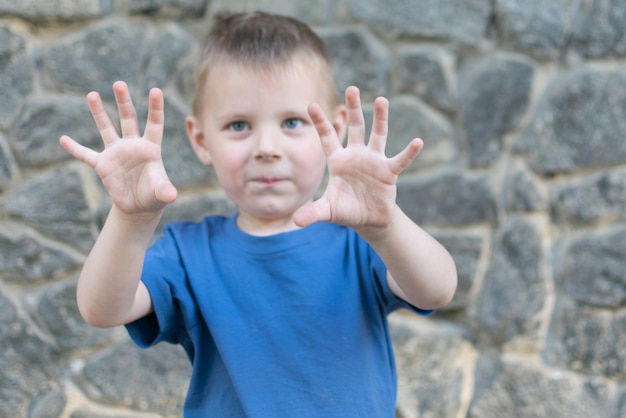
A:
(593, 198)
(513, 389)
(494, 95)
(579, 123)
(522, 192)
(7, 163)
(183, 167)
(59, 314)
(590, 270)
(312, 11)
(56, 9)
(95, 60)
(126, 375)
(587, 340)
(458, 20)
(16, 72)
(600, 30)
(513, 291)
(350, 46)
(448, 199)
(410, 118)
(434, 369)
(425, 72)
(172, 46)
(36, 133)
(176, 8)
(535, 26)
(48, 404)
(55, 203)
(29, 364)
(25, 258)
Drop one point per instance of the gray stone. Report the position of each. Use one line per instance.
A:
(621, 403)
(311, 11)
(25, 258)
(56, 9)
(466, 250)
(457, 20)
(29, 365)
(536, 26)
(522, 192)
(55, 203)
(586, 340)
(182, 165)
(434, 363)
(16, 73)
(600, 30)
(170, 8)
(447, 199)
(87, 413)
(579, 123)
(494, 94)
(102, 55)
(185, 84)
(600, 197)
(171, 47)
(513, 291)
(512, 388)
(591, 269)
(126, 375)
(7, 163)
(36, 133)
(410, 118)
(358, 59)
(425, 72)
(49, 404)
(59, 314)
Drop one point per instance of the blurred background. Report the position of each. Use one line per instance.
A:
(522, 108)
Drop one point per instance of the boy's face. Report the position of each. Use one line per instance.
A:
(254, 129)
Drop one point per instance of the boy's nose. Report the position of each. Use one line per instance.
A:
(268, 145)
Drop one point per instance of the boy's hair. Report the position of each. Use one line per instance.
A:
(262, 42)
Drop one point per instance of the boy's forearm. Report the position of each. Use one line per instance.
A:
(107, 292)
(419, 265)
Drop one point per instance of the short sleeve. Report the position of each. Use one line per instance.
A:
(390, 300)
(162, 274)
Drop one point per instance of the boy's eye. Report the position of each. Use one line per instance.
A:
(238, 126)
(292, 123)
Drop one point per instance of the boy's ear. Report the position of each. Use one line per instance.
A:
(340, 122)
(198, 140)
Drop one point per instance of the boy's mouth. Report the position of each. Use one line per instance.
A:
(267, 181)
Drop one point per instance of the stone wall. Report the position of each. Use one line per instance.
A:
(522, 106)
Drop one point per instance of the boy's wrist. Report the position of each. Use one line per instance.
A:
(378, 233)
(142, 220)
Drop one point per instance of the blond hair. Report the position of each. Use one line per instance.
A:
(260, 41)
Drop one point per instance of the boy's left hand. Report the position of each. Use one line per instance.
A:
(361, 191)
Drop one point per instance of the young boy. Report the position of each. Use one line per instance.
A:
(281, 308)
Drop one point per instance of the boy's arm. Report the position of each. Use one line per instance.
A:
(361, 194)
(109, 291)
(420, 270)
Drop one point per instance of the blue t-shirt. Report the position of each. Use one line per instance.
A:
(288, 325)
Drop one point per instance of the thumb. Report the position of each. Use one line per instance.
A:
(311, 212)
(165, 192)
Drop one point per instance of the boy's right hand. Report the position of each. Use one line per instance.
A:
(130, 166)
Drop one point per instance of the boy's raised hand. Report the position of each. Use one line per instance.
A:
(130, 166)
(361, 191)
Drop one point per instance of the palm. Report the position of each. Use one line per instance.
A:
(361, 189)
(130, 166)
